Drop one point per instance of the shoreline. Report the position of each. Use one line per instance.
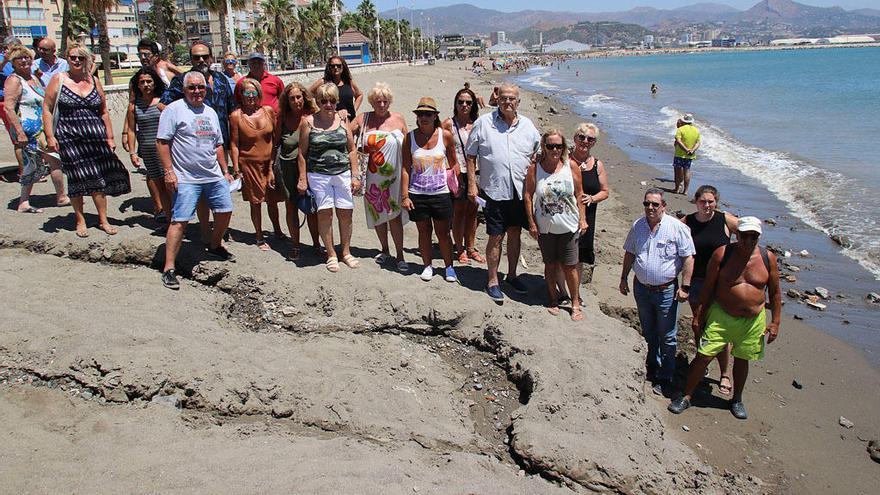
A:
(342, 381)
(646, 52)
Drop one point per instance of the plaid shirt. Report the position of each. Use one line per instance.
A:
(661, 253)
(219, 98)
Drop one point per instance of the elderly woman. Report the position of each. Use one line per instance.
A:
(464, 212)
(710, 230)
(84, 136)
(350, 96)
(428, 153)
(595, 183)
(143, 118)
(382, 133)
(295, 103)
(328, 167)
(252, 139)
(556, 216)
(23, 106)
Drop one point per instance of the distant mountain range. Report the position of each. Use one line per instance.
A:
(796, 17)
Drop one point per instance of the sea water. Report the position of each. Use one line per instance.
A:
(792, 135)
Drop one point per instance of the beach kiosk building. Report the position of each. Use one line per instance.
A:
(354, 47)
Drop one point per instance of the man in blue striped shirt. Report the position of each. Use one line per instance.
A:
(658, 248)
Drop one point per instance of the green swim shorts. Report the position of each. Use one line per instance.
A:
(746, 333)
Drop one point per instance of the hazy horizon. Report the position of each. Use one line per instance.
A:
(596, 6)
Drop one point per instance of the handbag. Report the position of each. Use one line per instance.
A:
(363, 156)
(306, 202)
(452, 180)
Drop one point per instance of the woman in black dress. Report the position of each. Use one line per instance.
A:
(83, 135)
(350, 95)
(595, 184)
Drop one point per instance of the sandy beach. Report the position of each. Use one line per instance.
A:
(267, 375)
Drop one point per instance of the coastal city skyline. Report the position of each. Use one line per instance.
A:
(595, 6)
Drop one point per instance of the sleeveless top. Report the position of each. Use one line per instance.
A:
(428, 171)
(289, 148)
(147, 119)
(255, 143)
(29, 109)
(163, 76)
(590, 178)
(556, 210)
(708, 236)
(460, 138)
(346, 100)
(328, 151)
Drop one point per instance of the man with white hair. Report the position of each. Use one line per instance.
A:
(687, 142)
(190, 147)
(732, 311)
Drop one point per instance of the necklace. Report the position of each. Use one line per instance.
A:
(580, 162)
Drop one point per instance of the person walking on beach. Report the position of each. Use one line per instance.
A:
(710, 230)
(505, 143)
(556, 217)
(143, 122)
(687, 142)
(48, 64)
(382, 134)
(732, 310)
(190, 147)
(658, 248)
(464, 215)
(428, 155)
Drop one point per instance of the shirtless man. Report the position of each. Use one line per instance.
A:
(736, 279)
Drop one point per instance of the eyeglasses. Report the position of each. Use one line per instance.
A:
(194, 87)
(465, 102)
(76, 58)
(651, 203)
(335, 66)
(554, 146)
(582, 137)
(249, 94)
(193, 56)
(145, 54)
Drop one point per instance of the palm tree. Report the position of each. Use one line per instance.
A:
(219, 7)
(4, 29)
(97, 10)
(277, 12)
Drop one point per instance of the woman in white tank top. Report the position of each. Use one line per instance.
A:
(428, 152)
(556, 217)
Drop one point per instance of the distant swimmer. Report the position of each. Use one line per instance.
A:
(687, 142)
(577, 73)
(653, 89)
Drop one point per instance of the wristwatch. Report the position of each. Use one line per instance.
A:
(686, 288)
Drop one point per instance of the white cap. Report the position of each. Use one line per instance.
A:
(749, 224)
(687, 118)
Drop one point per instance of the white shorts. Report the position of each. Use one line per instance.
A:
(332, 191)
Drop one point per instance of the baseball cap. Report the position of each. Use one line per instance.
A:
(257, 55)
(749, 224)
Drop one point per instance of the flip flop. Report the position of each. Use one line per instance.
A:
(553, 310)
(332, 265)
(577, 314)
(350, 261)
(263, 245)
(31, 209)
(725, 389)
(63, 203)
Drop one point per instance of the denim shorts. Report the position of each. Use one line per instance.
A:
(187, 196)
(680, 162)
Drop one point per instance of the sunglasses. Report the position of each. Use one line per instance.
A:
(651, 203)
(424, 114)
(325, 101)
(335, 66)
(554, 146)
(748, 235)
(145, 54)
(193, 87)
(589, 139)
(199, 57)
(465, 102)
(76, 58)
(230, 61)
(249, 94)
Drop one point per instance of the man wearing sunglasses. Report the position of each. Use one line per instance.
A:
(271, 85)
(658, 248)
(732, 311)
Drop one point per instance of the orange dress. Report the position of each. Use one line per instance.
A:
(255, 141)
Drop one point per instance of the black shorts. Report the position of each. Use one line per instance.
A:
(430, 207)
(504, 214)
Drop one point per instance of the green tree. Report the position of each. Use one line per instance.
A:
(277, 12)
(219, 8)
(97, 11)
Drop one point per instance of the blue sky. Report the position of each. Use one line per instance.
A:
(600, 6)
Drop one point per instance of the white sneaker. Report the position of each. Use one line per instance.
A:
(450, 274)
(427, 273)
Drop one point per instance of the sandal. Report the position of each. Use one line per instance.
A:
(463, 258)
(475, 255)
(350, 261)
(263, 245)
(553, 310)
(332, 265)
(31, 209)
(577, 314)
(725, 389)
(64, 202)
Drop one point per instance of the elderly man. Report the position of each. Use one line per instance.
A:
(687, 142)
(272, 85)
(48, 64)
(505, 142)
(732, 311)
(190, 147)
(658, 248)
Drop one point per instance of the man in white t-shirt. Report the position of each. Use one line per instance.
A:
(190, 147)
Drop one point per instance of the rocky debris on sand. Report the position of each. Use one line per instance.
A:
(790, 279)
(841, 240)
(792, 268)
(822, 292)
(796, 384)
(793, 293)
(874, 450)
(845, 423)
(873, 297)
(798, 317)
(816, 305)
(770, 221)
(166, 400)
(804, 253)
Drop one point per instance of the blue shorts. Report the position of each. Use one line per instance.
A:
(680, 162)
(187, 196)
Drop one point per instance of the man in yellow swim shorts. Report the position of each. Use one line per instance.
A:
(732, 310)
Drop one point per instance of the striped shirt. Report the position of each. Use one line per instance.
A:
(659, 254)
